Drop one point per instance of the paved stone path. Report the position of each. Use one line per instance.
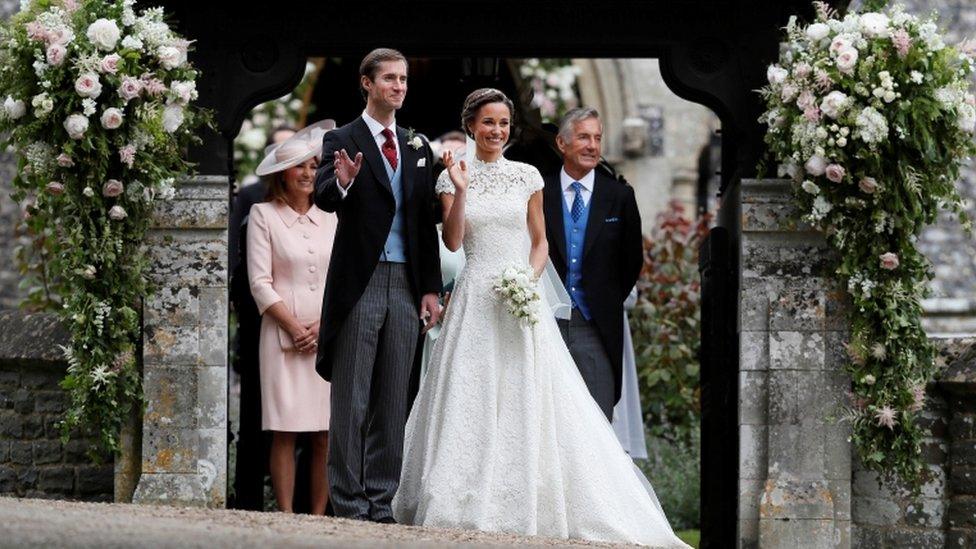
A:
(48, 523)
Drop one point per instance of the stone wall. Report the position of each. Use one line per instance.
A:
(33, 461)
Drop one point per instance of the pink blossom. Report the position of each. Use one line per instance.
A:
(70, 6)
(130, 88)
(56, 54)
(835, 173)
(55, 188)
(110, 63)
(65, 161)
(806, 100)
(918, 397)
(886, 417)
(153, 86)
(824, 82)
(127, 155)
(112, 188)
(868, 185)
(902, 42)
(889, 261)
(59, 35)
(812, 113)
(35, 31)
(802, 70)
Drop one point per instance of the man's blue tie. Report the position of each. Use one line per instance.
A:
(577, 210)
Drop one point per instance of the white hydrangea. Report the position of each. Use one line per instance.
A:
(871, 125)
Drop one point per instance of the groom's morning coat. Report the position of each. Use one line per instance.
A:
(365, 218)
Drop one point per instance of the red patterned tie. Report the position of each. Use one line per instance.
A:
(389, 148)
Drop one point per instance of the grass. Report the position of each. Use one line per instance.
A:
(691, 537)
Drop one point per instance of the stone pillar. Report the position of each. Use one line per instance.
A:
(184, 428)
(959, 384)
(794, 454)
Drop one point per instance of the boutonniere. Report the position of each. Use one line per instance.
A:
(414, 140)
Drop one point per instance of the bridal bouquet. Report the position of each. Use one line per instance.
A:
(518, 287)
(871, 115)
(98, 105)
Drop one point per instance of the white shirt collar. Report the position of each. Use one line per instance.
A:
(375, 127)
(587, 180)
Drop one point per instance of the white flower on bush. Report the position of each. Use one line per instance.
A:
(170, 57)
(14, 108)
(821, 207)
(117, 213)
(776, 75)
(167, 189)
(87, 85)
(127, 155)
(874, 25)
(110, 63)
(43, 105)
(929, 33)
(88, 272)
(76, 125)
(817, 32)
(130, 88)
(87, 191)
(834, 103)
(88, 106)
(55, 54)
(966, 118)
(816, 165)
(871, 125)
(112, 118)
(112, 188)
(104, 34)
(810, 187)
(172, 117)
(54, 187)
(889, 261)
(183, 91)
(916, 77)
(847, 60)
(132, 43)
(840, 43)
(868, 185)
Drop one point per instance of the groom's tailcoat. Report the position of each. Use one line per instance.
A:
(365, 218)
(612, 256)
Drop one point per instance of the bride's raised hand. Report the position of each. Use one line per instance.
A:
(458, 171)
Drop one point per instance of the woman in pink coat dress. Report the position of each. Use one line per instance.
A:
(289, 243)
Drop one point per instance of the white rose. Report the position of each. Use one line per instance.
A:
(87, 85)
(104, 34)
(834, 104)
(840, 43)
(117, 213)
(87, 191)
(76, 125)
(817, 32)
(170, 57)
(132, 43)
(110, 63)
(810, 187)
(112, 118)
(184, 92)
(15, 108)
(776, 75)
(847, 60)
(172, 117)
(816, 165)
(874, 25)
(966, 118)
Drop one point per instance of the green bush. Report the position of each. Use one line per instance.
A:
(673, 468)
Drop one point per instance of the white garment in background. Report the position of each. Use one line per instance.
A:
(628, 416)
(504, 435)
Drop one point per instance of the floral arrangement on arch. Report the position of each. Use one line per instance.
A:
(97, 105)
(871, 115)
(553, 85)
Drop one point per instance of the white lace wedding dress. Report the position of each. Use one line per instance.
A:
(503, 435)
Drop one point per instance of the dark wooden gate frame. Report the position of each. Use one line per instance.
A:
(714, 53)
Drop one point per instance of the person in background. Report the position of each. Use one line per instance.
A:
(289, 247)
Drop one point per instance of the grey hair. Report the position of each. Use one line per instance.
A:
(574, 116)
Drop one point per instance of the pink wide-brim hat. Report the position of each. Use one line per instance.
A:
(298, 148)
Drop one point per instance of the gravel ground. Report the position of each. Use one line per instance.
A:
(49, 523)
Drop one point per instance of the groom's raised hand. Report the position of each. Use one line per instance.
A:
(346, 168)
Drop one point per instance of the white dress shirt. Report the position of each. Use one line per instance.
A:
(569, 194)
(375, 128)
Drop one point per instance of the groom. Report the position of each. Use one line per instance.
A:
(381, 290)
(594, 231)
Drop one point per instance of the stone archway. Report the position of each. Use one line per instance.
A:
(711, 52)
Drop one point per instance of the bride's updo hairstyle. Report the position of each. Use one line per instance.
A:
(477, 99)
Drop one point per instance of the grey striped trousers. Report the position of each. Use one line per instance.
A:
(370, 401)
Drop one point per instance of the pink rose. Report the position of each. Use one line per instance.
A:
(56, 54)
(55, 188)
(112, 118)
(868, 185)
(112, 188)
(110, 63)
(811, 114)
(130, 88)
(889, 261)
(835, 173)
(847, 60)
(117, 213)
(87, 85)
(60, 35)
(127, 155)
(65, 161)
(36, 32)
(806, 100)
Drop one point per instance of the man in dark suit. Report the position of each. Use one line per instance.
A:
(381, 290)
(594, 233)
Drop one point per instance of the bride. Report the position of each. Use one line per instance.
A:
(503, 435)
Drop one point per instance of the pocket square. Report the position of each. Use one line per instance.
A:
(422, 163)
(611, 220)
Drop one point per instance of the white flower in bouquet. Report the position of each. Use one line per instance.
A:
(834, 103)
(130, 88)
(117, 213)
(170, 57)
(172, 117)
(840, 43)
(60, 35)
(847, 60)
(127, 155)
(56, 54)
(167, 189)
(110, 63)
(967, 118)
(88, 106)
(87, 85)
(518, 289)
(929, 33)
(112, 118)
(183, 91)
(76, 125)
(43, 104)
(916, 77)
(816, 165)
(87, 191)
(874, 25)
(817, 32)
(788, 92)
(810, 187)
(871, 126)
(776, 75)
(104, 34)
(132, 43)
(14, 108)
